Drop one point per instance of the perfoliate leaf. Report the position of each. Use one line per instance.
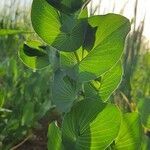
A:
(109, 42)
(33, 55)
(51, 27)
(54, 137)
(103, 87)
(130, 134)
(63, 91)
(91, 125)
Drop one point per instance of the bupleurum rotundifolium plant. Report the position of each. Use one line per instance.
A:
(84, 54)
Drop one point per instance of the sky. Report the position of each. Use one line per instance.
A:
(108, 5)
(142, 11)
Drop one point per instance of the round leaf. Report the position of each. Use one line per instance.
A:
(49, 25)
(90, 125)
(110, 37)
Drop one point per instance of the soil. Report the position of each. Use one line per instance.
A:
(40, 140)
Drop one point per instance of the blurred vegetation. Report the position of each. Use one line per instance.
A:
(24, 94)
(22, 88)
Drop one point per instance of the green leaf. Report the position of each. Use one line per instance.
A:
(130, 133)
(143, 108)
(4, 32)
(110, 37)
(145, 143)
(51, 27)
(103, 87)
(33, 55)
(89, 38)
(45, 20)
(72, 39)
(34, 48)
(54, 137)
(90, 91)
(110, 81)
(69, 60)
(83, 13)
(90, 125)
(64, 91)
(2, 99)
(67, 6)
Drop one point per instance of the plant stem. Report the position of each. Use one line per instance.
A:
(77, 57)
(82, 53)
(18, 145)
(127, 101)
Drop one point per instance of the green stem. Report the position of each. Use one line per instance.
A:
(93, 87)
(82, 53)
(77, 57)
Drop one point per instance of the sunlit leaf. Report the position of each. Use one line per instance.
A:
(110, 81)
(90, 125)
(103, 87)
(110, 37)
(54, 137)
(49, 25)
(130, 134)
